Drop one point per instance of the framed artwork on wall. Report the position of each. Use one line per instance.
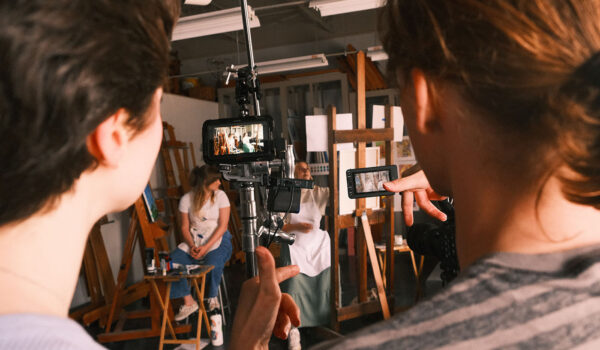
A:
(405, 153)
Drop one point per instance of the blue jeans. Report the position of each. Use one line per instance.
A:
(217, 258)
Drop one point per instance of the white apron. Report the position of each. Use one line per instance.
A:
(311, 250)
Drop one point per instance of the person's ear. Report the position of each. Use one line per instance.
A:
(426, 117)
(107, 142)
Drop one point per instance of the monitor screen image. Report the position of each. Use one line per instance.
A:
(237, 139)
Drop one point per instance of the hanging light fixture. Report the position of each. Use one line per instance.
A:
(214, 22)
(336, 7)
(376, 53)
(289, 64)
(197, 2)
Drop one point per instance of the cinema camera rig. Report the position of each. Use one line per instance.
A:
(248, 155)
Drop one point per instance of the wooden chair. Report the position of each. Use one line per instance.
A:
(401, 248)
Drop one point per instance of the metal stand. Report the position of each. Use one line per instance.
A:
(250, 51)
(255, 172)
(249, 220)
(250, 234)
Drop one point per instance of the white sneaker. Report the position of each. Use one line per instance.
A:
(294, 339)
(185, 311)
(212, 303)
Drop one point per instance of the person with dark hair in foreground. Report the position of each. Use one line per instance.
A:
(80, 127)
(501, 99)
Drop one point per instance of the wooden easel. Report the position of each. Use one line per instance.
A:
(175, 190)
(152, 236)
(368, 217)
(98, 274)
(192, 155)
(100, 283)
(101, 310)
(235, 224)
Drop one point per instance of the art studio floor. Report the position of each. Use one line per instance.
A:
(404, 295)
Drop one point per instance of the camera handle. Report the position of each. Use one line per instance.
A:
(271, 230)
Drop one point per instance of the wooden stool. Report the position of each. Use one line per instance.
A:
(401, 248)
(198, 275)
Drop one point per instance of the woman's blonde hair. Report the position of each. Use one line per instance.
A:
(200, 178)
(532, 67)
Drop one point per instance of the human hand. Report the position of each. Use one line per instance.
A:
(262, 307)
(416, 186)
(199, 252)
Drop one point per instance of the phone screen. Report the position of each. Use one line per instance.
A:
(368, 182)
(371, 181)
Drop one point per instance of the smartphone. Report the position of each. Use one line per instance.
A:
(368, 182)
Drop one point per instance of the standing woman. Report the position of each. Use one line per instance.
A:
(311, 252)
(204, 218)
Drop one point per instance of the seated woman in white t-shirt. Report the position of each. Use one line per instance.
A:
(205, 215)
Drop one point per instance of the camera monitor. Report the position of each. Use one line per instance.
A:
(368, 182)
(237, 140)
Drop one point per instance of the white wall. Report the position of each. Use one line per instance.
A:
(186, 115)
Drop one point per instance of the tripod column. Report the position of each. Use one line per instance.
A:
(250, 235)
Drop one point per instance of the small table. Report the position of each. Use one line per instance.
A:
(402, 248)
(198, 276)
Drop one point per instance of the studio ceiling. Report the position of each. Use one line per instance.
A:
(289, 28)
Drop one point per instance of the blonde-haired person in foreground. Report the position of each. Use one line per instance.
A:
(501, 99)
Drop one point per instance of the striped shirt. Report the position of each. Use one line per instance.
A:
(503, 301)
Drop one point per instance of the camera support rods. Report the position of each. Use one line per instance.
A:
(249, 220)
(248, 209)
